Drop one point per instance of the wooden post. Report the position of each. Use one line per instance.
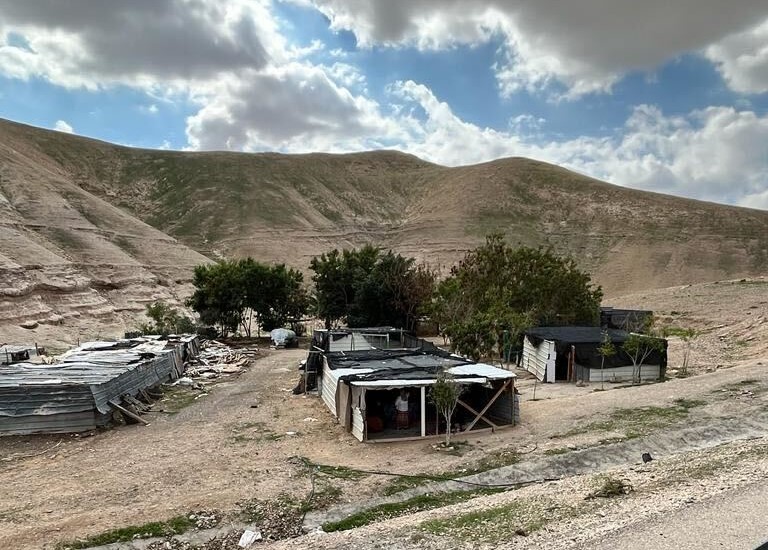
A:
(128, 413)
(488, 405)
(573, 363)
(423, 411)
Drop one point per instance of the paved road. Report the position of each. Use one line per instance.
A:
(734, 520)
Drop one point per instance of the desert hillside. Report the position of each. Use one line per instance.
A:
(290, 207)
(71, 264)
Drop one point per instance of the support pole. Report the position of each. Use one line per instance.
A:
(423, 411)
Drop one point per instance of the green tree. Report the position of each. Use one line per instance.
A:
(445, 393)
(337, 276)
(367, 288)
(639, 348)
(498, 288)
(232, 293)
(219, 296)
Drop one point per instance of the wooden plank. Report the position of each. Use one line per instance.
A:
(128, 413)
(488, 405)
(477, 414)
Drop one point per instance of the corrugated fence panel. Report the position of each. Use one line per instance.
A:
(623, 374)
(535, 359)
(358, 426)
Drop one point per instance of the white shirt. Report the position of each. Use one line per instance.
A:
(401, 404)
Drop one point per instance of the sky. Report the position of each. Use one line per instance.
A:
(660, 95)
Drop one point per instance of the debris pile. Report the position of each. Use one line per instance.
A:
(216, 359)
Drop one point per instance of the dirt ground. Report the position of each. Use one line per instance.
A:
(240, 440)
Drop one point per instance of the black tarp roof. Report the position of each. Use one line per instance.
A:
(586, 340)
(577, 335)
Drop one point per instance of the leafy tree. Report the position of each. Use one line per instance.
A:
(286, 298)
(367, 288)
(447, 306)
(337, 278)
(219, 296)
(230, 294)
(445, 393)
(498, 288)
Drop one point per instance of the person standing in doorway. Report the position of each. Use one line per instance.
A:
(401, 406)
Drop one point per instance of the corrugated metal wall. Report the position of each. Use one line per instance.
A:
(536, 359)
(648, 373)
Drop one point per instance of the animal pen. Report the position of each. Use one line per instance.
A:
(82, 390)
(360, 388)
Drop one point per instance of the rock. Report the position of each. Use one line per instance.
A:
(29, 325)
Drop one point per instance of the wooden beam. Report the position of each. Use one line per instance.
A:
(488, 405)
(128, 413)
(477, 414)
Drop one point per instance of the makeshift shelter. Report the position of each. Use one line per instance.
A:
(360, 388)
(571, 354)
(81, 390)
(354, 339)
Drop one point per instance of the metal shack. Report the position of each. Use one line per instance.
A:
(571, 353)
(78, 392)
(361, 387)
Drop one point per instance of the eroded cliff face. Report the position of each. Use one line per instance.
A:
(72, 266)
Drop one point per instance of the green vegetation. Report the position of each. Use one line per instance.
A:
(253, 432)
(640, 348)
(410, 506)
(177, 398)
(491, 461)
(174, 526)
(233, 293)
(367, 288)
(557, 451)
(166, 320)
(608, 486)
(498, 291)
(494, 525)
(637, 422)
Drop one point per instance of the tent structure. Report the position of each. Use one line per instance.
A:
(360, 387)
(571, 354)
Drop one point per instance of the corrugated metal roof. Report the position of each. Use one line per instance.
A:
(408, 366)
(77, 389)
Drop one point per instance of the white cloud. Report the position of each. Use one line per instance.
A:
(63, 126)
(141, 43)
(296, 107)
(714, 154)
(742, 59)
(584, 44)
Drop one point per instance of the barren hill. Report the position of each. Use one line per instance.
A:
(70, 207)
(71, 264)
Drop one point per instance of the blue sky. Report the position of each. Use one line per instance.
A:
(670, 98)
